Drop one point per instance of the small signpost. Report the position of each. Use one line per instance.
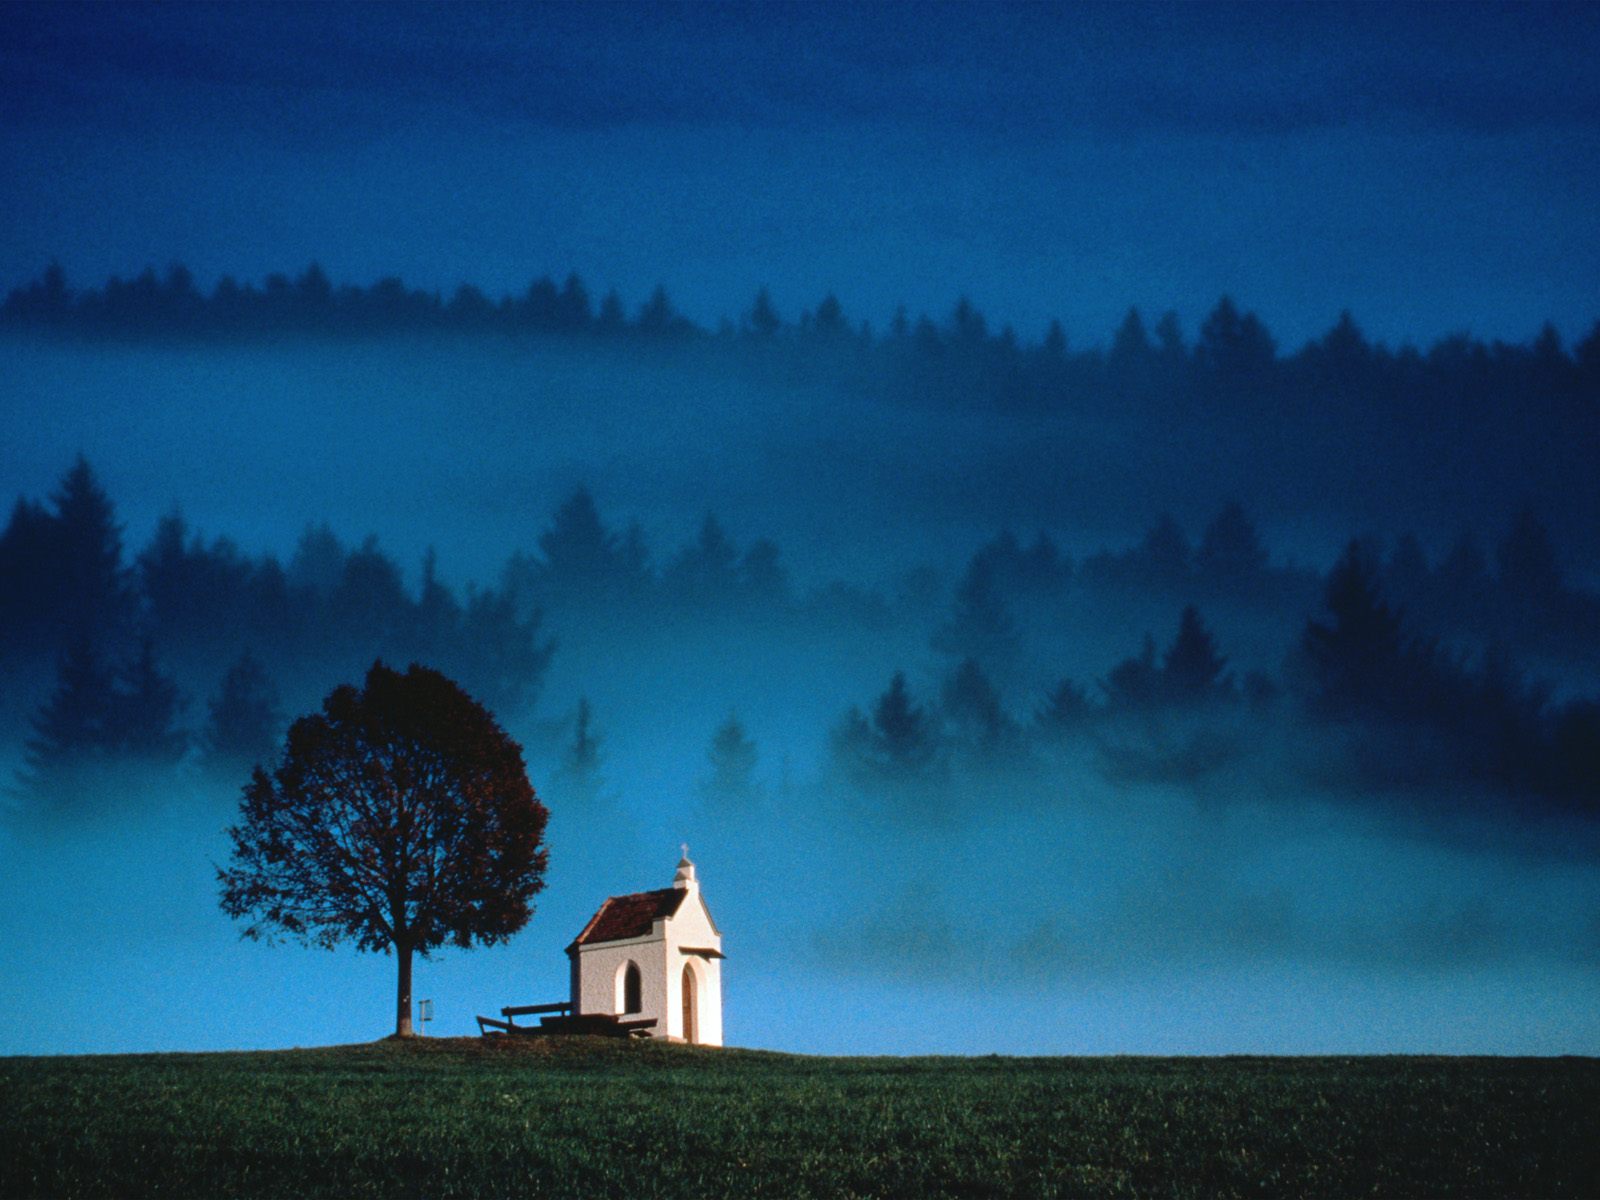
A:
(424, 1015)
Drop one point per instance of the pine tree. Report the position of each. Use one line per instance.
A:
(580, 771)
(898, 744)
(1586, 358)
(1528, 565)
(1192, 671)
(1169, 340)
(245, 722)
(144, 713)
(503, 657)
(761, 574)
(967, 325)
(1134, 683)
(92, 598)
(829, 321)
(659, 317)
(763, 319)
(371, 596)
(704, 572)
(95, 717)
(1164, 558)
(318, 562)
(1575, 746)
(580, 553)
(1231, 553)
(1130, 348)
(1233, 346)
(27, 564)
(572, 307)
(851, 743)
(435, 625)
(541, 305)
(611, 318)
(1356, 658)
(1066, 710)
(979, 626)
(973, 708)
(1343, 354)
(730, 782)
(71, 730)
(166, 577)
(902, 731)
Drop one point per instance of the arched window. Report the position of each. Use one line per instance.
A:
(630, 989)
(691, 1013)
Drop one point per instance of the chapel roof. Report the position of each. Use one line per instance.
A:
(630, 916)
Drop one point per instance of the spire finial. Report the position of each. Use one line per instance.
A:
(685, 876)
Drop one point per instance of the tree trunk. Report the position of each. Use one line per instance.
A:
(402, 1000)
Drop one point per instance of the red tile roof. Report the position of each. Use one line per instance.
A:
(630, 916)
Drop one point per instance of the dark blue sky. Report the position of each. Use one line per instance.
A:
(1433, 168)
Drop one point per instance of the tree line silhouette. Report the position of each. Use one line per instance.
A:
(1522, 602)
(960, 356)
(582, 564)
(119, 635)
(1409, 705)
(245, 631)
(1464, 428)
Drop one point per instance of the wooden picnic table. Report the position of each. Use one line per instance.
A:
(560, 1019)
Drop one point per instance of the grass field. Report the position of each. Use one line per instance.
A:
(579, 1118)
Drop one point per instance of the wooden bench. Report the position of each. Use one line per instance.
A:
(596, 1025)
(528, 1010)
(512, 1012)
(560, 1019)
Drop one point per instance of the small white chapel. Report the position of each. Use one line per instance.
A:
(653, 956)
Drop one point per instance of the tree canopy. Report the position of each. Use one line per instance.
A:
(400, 817)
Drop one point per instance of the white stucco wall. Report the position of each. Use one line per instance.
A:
(597, 975)
(692, 927)
(661, 961)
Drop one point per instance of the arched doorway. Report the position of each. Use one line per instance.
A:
(691, 1012)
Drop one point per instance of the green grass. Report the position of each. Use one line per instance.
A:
(592, 1119)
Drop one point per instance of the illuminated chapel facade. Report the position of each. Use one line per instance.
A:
(653, 956)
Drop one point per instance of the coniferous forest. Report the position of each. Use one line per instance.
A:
(1461, 430)
(186, 654)
(1186, 627)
